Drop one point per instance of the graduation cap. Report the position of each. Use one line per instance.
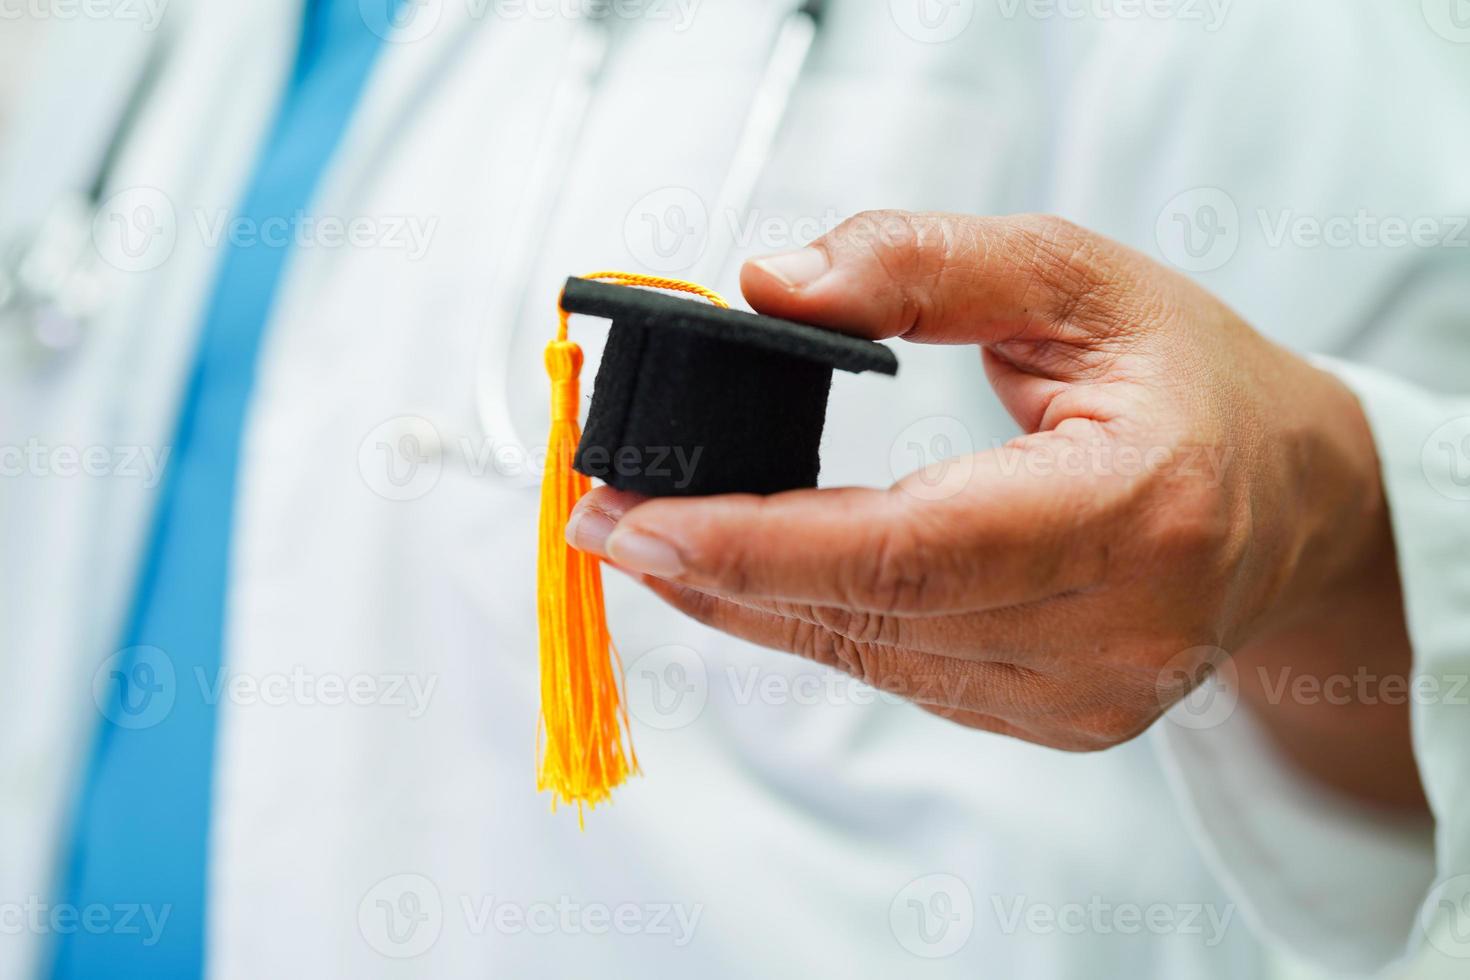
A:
(691, 398)
(694, 399)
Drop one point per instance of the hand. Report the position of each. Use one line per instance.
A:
(1185, 486)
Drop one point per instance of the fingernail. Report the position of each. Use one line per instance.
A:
(796, 269)
(644, 553)
(587, 530)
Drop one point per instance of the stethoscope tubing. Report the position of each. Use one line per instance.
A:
(587, 61)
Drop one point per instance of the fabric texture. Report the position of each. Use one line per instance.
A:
(679, 414)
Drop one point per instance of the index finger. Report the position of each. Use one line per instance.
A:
(1005, 538)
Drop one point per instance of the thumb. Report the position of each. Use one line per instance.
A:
(1052, 303)
(954, 279)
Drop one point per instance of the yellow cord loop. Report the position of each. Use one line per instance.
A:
(648, 282)
(579, 744)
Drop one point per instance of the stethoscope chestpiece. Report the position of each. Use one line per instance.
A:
(50, 283)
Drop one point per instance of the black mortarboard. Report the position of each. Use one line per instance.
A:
(690, 399)
(693, 399)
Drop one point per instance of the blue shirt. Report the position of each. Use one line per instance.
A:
(140, 838)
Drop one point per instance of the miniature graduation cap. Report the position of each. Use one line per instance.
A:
(694, 399)
(691, 398)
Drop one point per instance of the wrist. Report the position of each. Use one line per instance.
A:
(1320, 672)
(1341, 538)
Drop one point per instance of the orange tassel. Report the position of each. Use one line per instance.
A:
(583, 719)
(582, 716)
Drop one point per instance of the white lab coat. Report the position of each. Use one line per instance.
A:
(789, 823)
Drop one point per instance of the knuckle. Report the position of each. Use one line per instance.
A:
(699, 606)
(894, 576)
(1072, 270)
(732, 573)
(807, 640)
(801, 639)
(831, 649)
(911, 252)
(727, 567)
(858, 625)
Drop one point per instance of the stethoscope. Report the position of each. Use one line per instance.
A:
(588, 58)
(52, 281)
